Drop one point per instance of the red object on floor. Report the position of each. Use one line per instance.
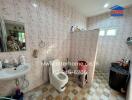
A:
(82, 66)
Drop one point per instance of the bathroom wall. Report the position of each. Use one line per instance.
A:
(50, 22)
(84, 47)
(112, 48)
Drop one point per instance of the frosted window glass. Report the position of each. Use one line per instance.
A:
(102, 33)
(111, 32)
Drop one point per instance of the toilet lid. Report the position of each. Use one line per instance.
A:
(56, 66)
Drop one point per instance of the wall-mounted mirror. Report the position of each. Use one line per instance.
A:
(12, 36)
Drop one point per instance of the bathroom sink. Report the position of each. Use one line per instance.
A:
(13, 73)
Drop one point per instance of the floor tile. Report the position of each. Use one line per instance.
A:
(99, 90)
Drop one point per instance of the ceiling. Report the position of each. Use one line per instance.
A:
(95, 7)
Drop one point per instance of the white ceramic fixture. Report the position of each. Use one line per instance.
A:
(13, 73)
(58, 78)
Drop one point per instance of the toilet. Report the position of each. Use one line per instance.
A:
(58, 78)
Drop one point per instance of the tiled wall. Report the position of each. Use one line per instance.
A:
(112, 48)
(83, 47)
(50, 22)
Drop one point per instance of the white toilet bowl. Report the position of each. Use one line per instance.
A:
(57, 77)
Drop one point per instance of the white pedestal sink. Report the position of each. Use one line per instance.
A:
(12, 73)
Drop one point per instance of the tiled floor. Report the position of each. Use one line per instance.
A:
(99, 90)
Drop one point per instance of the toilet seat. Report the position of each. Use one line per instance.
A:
(61, 78)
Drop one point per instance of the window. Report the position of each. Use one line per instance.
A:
(21, 36)
(102, 33)
(108, 32)
(111, 32)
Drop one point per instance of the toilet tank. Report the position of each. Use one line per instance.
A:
(56, 66)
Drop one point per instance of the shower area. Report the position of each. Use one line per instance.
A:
(83, 49)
